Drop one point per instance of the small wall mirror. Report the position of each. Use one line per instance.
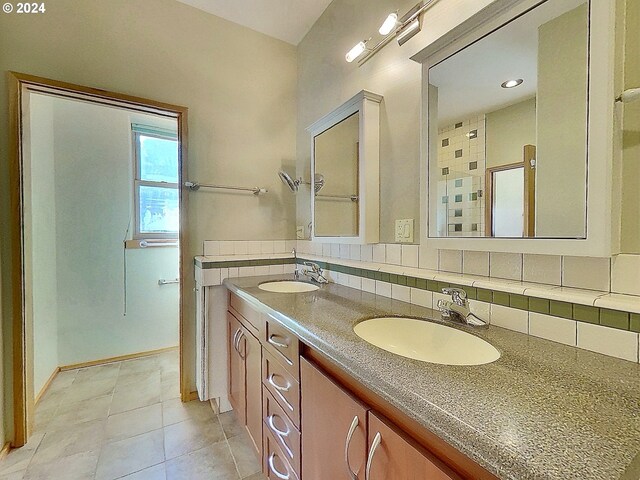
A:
(345, 172)
(508, 129)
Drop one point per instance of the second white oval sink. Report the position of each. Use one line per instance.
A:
(426, 341)
(288, 286)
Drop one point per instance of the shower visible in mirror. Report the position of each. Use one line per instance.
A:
(508, 129)
(294, 185)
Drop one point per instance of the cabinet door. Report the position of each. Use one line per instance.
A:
(334, 429)
(252, 353)
(236, 369)
(392, 456)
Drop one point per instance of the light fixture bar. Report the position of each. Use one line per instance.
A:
(402, 23)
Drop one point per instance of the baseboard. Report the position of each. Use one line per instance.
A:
(119, 358)
(5, 450)
(46, 386)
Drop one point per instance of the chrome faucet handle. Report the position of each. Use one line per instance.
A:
(314, 267)
(458, 295)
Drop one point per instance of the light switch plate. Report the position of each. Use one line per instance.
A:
(404, 230)
(300, 232)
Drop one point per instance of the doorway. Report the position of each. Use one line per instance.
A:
(115, 218)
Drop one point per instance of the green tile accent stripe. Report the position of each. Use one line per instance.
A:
(261, 262)
(573, 311)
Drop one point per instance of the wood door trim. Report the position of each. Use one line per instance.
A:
(428, 441)
(17, 82)
(489, 187)
(529, 155)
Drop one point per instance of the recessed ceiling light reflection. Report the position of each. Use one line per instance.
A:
(512, 83)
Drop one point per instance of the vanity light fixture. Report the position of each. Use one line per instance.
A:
(512, 83)
(389, 24)
(356, 51)
(402, 29)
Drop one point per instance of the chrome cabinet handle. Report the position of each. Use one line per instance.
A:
(280, 388)
(280, 433)
(274, 470)
(274, 342)
(377, 440)
(352, 429)
(235, 340)
(242, 356)
(272, 425)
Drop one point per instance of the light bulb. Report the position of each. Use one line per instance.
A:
(389, 24)
(355, 52)
(512, 83)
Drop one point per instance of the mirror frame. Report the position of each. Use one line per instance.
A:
(603, 133)
(367, 104)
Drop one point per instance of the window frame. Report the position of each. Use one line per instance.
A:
(138, 182)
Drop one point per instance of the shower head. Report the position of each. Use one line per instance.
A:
(318, 180)
(288, 181)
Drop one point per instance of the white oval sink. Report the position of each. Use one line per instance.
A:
(288, 286)
(426, 341)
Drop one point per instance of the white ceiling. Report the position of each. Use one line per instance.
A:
(287, 20)
(469, 81)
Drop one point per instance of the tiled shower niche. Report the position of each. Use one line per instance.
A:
(461, 178)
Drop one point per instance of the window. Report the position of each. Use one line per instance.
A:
(156, 183)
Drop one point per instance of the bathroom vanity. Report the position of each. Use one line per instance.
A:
(320, 402)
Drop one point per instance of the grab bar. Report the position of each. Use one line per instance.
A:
(171, 243)
(195, 186)
(162, 281)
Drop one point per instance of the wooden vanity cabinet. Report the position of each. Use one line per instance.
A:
(334, 428)
(245, 373)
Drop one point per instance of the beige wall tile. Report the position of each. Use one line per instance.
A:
(450, 261)
(552, 328)
(366, 253)
(254, 247)
(475, 263)
(410, 255)
(383, 288)
(401, 292)
(394, 253)
(625, 274)
(542, 269)
(211, 247)
(354, 252)
(586, 272)
(506, 265)
(369, 285)
(608, 341)
(424, 298)
(511, 318)
(428, 258)
(379, 253)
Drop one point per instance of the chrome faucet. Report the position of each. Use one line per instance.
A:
(296, 273)
(458, 308)
(315, 273)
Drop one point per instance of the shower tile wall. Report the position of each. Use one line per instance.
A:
(461, 158)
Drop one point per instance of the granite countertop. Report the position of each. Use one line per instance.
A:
(542, 411)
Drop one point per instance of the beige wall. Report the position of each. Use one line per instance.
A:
(239, 86)
(336, 158)
(508, 131)
(561, 170)
(630, 235)
(325, 81)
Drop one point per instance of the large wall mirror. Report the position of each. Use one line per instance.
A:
(345, 172)
(508, 129)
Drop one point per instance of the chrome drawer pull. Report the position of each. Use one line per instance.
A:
(273, 468)
(272, 341)
(272, 425)
(352, 429)
(235, 340)
(242, 356)
(276, 386)
(377, 440)
(281, 433)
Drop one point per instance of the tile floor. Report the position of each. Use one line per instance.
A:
(125, 420)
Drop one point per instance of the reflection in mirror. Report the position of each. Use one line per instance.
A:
(336, 162)
(508, 129)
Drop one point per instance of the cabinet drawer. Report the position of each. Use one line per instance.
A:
(282, 385)
(276, 466)
(283, 344)
(248, 313)
(282, 429)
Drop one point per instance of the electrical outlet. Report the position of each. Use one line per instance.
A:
(300, 232)
(404, 231)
